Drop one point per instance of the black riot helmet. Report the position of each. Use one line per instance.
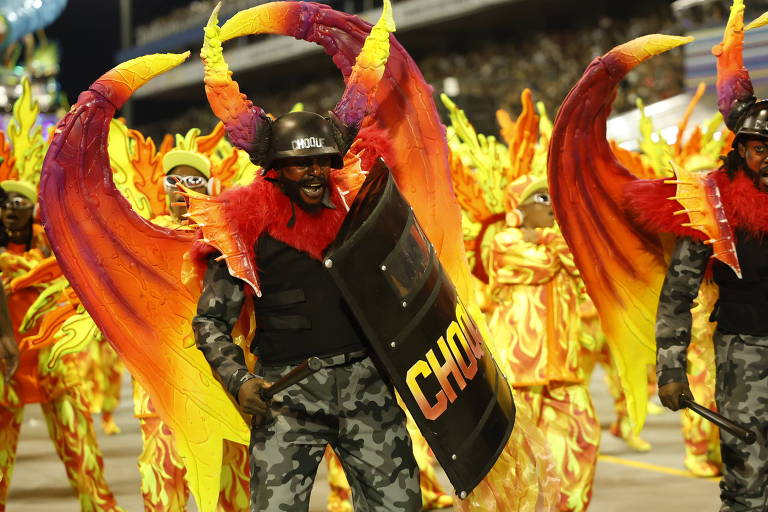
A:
(748, 119)
(300, 134)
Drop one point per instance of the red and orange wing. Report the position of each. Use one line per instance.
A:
(622, 267)
(127, 272)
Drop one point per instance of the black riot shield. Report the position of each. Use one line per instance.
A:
(428, 345)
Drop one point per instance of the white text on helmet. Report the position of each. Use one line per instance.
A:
(308, 142)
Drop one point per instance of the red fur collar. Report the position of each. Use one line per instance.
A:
(647, 203)
(745, 206)
(261, 208)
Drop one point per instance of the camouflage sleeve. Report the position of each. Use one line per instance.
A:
(673, 318)
(217, 312)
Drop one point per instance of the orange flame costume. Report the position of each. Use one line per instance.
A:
(536, 289)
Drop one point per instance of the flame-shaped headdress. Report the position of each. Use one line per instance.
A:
(248, 126)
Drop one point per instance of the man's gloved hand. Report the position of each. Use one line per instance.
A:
(249, 399)
(669, 394)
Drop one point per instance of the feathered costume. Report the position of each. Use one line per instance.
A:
(126, 269)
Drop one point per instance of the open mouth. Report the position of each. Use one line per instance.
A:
(313, 191)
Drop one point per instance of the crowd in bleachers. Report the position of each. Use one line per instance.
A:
(551, 63)
(497, 70)
(698, 14)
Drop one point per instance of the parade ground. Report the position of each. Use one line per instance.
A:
(626, 481)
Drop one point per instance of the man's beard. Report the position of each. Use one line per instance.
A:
(293, 190)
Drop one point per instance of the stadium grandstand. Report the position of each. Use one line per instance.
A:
(483, 52)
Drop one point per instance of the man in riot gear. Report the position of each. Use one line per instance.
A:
(286, 218)
(302, 314)
(741, 338)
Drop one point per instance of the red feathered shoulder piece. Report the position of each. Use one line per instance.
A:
(232, 223)
(649, 204)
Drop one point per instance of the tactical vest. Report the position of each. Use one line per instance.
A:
(742, 307)
(301, 312)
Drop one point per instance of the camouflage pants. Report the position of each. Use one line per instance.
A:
(742, 396)
(346, 405)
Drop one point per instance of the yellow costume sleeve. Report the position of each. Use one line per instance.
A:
(515, 261)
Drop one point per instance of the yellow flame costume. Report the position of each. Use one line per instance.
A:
(536, 323)
(533, 290)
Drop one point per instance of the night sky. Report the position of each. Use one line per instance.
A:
(88, 32)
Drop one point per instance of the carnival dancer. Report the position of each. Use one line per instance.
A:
(717, 219)
(536, 288)
(741, 336)
(347, 404)
(60, 391)
(533, 286)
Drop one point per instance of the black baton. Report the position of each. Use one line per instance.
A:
(299, 373)
(721, 421)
